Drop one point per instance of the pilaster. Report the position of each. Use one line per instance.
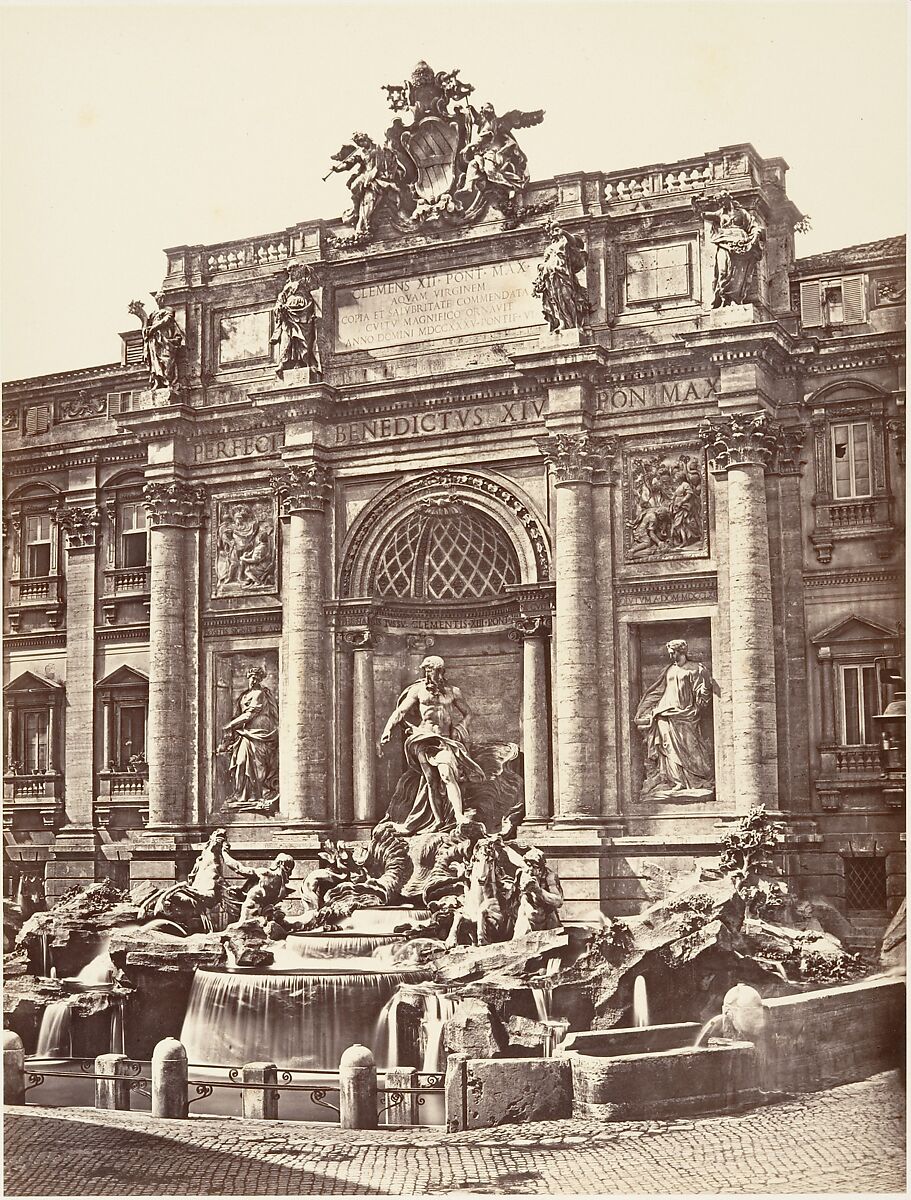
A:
(533, 632)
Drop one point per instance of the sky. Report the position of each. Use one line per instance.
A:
(126, 129)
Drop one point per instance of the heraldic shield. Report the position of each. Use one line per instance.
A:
(434, 145)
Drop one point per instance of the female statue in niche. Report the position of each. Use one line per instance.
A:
(563, 298)
(251, 742)
(679, 763)
(739, 240)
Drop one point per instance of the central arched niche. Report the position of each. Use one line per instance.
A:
(437, 565)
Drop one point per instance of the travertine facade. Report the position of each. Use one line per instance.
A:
(545, 510)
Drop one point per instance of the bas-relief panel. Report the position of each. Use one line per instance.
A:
(245, 553)
(244, 733)
(664, 504)
(244, 338)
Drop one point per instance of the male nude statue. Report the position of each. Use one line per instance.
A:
(437, 744)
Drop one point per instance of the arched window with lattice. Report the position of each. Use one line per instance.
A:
(445, 550)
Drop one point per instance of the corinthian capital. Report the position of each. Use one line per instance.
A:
(575, 456)
(302, 488)
(173, 503)
(742, 440)
(80, 526)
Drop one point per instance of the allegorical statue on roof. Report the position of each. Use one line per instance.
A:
(448, 165)
(162, 341)
(294, 317)
(564, 298)
(739, 240)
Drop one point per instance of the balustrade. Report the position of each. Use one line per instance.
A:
(248, 254)
(858, 759)
(678, 177)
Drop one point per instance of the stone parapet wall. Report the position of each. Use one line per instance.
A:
(481, 1092)
(822, 1039)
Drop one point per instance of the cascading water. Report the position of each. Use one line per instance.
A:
(55, 1034)
(438, 1008)
(640, 1003)
(712, 1028)
(302, 1017)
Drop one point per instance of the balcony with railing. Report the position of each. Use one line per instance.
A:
(36, 594)
(123, 793)
(122, 584)
(32, 799)
(857, 517)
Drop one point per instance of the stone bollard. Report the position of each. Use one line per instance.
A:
(357, 1089)
(113, 1091)
(169, 1079)
(260, 1098)
(405, 1113)
(456, 1092)
(13, 1068)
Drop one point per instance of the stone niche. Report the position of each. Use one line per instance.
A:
(695, 739)
(244, 549)
(232, 685)
(485, 665)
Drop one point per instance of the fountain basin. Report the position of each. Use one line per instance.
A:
(656, 1072)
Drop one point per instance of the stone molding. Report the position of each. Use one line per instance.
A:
(244, 623)
(301, 488)
(576, 456)
(673, 590)
(742, 440)
(356, 639)
(174, 503)
(80, 526)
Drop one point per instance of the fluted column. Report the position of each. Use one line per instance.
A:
(533, 633)
(743, 447)
(175, 514)
(574, 457)
(80, 527)
(303, 491)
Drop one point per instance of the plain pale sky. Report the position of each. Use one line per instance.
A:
(126, 129)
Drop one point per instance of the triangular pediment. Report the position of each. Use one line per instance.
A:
(854, 629)
(124, 676)
(28, 681)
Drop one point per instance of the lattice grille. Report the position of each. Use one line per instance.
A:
(865, 884)
(455, 554)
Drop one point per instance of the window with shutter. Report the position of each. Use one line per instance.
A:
(853, 298)
(810, 305)
(37, 419)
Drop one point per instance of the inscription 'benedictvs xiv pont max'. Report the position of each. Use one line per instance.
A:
(602, 444)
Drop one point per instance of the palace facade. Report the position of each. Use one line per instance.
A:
(246, 550)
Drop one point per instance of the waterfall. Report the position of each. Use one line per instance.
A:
(117, 1027)
(300, 1019)
(438, 1008)
(640, 1003)
(55, 1035)
(712, 1028)
(98, 972)
(46, 968)
(542, 1004)
(386, 1036)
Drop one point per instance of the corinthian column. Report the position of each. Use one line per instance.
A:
(742, 447)
(80, 525)
(574, 457)
(303, 492)
(175, 514)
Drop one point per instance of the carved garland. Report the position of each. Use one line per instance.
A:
(443, 479)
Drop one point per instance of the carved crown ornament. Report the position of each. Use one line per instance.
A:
(302, 488)
(576, 456)
(751, 439)
(445, 167)
(80, 525)
(174, 502)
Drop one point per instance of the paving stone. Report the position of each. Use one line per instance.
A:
(849, 1139)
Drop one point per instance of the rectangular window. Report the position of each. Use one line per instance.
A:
(38, 528)
(37, 419)
(851, 460)
(122, 402)
(838, 301)
(134, 538)
(860, 703)
(131, 739)
(33, 727)
(865, 884)
(658, 273)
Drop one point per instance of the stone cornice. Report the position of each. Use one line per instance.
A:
(667, 591)
(858, 578)
(576, 456)
(173, 502)
(302, 488)
(160, 424)
(80, 526)
(61, 458)
(34, 641)
(247, 622)
(296, 401)
(562, 364)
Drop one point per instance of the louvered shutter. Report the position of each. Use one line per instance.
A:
(810, 305)
(852, 290)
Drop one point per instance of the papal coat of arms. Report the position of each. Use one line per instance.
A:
(450, 165)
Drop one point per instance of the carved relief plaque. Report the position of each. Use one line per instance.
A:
(664, 504)
(244, 555)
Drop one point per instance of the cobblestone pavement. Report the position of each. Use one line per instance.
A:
(849, 1139)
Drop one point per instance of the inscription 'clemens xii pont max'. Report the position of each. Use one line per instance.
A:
(466, 300)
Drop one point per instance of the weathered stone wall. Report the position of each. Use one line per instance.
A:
(483, 1092)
